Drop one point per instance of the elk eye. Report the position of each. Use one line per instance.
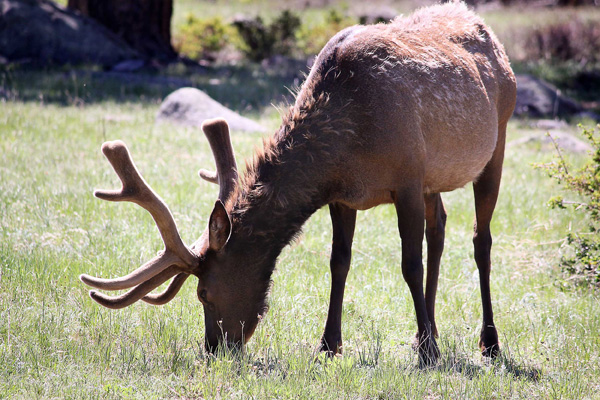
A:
(203, 296)
(204, 300)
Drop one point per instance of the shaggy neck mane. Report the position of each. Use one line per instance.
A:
(285, 182)
(279, 190)
(294, 173)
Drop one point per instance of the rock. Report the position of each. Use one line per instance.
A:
(539, 99)
(564, 140)
(550, 124)
(129, 66)
(190, 106)
(43, 32)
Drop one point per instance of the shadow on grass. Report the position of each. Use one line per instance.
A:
(243, 88)
(504, 364)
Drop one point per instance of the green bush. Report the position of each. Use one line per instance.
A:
(203, 38)
(312, 38)
(285, 35)
(284, 30)
(575, 40)
(261, 41)
(583, 264)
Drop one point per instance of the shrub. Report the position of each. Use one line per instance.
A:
(575, 40)
(284, 30)
(256, 41)
(261, 41)
(203, 38)
(584, 262)
(312, 38)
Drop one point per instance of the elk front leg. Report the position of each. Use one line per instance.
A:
(343, 220)
(411, 212)
(435, 225)
(486, 193)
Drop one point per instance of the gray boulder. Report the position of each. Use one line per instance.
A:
(564, 140)
(561, 135)
(190, 107)
(538, 99)
(41, 31)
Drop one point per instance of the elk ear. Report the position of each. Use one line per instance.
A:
(219, 227)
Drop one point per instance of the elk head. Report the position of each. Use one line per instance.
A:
(231, 300)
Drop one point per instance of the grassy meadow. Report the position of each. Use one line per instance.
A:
(55, 342)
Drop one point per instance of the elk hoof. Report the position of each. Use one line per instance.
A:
(331, 347)
(427, 349)
(488, 342)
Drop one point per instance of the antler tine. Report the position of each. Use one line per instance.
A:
(217, 133)
(177, 282)
(136, 190)
(133, 295)
(169, 293)
(146, 271)
(210, 176)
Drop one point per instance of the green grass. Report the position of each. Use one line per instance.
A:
(56, 342)
(269, 9)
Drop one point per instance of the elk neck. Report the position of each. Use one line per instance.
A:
(289, 179)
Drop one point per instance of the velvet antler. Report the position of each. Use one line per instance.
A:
(217, 133)
(176, 259)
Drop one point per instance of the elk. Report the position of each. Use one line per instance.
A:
(390, 113)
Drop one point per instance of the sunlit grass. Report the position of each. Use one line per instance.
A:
(56, 342)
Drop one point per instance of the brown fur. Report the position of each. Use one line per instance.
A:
(445, 81)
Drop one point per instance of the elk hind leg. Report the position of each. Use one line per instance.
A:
(343, 220)
(411, 211)
(435, 220)
(486, 194)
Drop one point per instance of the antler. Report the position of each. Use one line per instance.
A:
(175, 258)
(136, 293)
(217, 133)
(169, 293)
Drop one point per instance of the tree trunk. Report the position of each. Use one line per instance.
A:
(144, 24)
